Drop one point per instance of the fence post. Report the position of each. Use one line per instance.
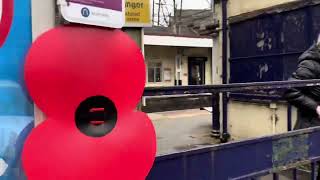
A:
(289, 111)
(313, 171)
(294, 174)
(225, 134)
(215, 98)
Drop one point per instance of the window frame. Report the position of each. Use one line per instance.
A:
(154, 68)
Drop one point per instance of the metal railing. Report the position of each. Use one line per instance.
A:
(218, 90)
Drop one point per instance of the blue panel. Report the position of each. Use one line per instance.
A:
(274, 41)
(314, 150)
(267, 33)
(315, 20)
(13, 132)
(16, 109)
(18, 41)
(256, 70)
(241, 160)
(290, 63)
(295, 31)
(14, 101)
(168, 169)
(256, 37)
(200, 166)
(14, 127)
(12, 55)
(242, 38)
(249, 59)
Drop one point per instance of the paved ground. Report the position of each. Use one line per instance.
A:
(182, 130)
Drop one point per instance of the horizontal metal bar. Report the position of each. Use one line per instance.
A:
(179, 96)
(251, 158)
(264, 56)
(236, 87)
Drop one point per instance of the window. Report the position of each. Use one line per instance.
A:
(154, 72)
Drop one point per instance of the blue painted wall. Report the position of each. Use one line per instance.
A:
(16, 109)
(266, 48)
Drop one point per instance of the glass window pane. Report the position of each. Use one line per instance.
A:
(158, 74)
(154, 65)
(150, 65)
(151, 75)
(158, 65)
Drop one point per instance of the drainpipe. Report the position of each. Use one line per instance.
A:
(216, 130)
(274, 117)
(225, 134)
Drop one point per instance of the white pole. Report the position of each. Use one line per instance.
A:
(43, 19)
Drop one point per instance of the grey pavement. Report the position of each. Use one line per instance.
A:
(182, 130)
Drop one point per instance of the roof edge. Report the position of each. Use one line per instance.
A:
(273, 10)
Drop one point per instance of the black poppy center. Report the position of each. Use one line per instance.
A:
(96, 116)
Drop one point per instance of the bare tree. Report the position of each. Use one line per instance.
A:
(159, 6)
(209, 2)
(164, 14)
(153, 12)
(179, 29)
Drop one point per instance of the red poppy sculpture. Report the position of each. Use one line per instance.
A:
(88, 81)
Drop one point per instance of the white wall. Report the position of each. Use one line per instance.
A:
(43, 16)
(249, 120)
(167, 55)
(177, 41)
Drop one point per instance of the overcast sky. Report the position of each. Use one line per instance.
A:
(186, 4)
(194, 4)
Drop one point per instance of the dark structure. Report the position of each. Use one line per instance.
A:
(266, 44)
(191, 23)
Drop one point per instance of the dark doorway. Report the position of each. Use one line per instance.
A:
(196, 68)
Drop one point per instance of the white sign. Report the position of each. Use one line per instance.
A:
(3, 167)
(106, 13)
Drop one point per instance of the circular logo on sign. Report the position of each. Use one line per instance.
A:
(85, 12)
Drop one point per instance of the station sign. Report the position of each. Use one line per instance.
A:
(138, 13)
(106, 13)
